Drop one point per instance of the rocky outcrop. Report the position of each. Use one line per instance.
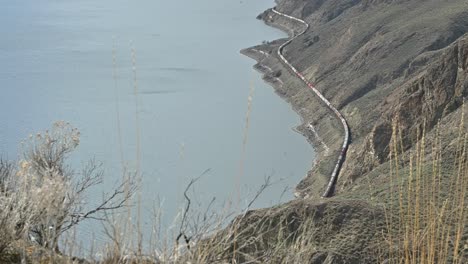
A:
(425, 97)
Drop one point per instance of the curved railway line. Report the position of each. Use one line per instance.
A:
(336, 171)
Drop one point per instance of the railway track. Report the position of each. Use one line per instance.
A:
(336, 171)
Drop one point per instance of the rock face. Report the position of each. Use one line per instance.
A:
(381, 63)
(428, 94)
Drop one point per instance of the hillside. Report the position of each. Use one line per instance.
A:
(381, 63)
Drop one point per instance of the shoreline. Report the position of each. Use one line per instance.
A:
(263, 54)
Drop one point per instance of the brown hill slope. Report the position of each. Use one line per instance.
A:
(379, 62)
(364, 56)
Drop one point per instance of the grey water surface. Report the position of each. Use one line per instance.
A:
(56, 64)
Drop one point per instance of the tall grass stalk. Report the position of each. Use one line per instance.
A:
(429, 224)
(138, 147)
(244, 141)
(117, 104)
(243, 156)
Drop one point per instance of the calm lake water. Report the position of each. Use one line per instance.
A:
(56, 64)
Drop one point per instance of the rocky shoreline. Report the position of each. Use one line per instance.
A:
(275, 74)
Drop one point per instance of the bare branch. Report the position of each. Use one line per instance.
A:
(267, 183)
(116, 200)
(91, 175)
(6, 169)
(183, 224)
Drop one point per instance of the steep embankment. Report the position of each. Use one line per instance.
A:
(379, 62)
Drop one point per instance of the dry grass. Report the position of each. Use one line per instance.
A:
(429, 223)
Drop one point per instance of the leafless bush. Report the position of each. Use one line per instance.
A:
(17, 211)
(45, 198)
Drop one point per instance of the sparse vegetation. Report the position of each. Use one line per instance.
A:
(42, 197)
(430, 222)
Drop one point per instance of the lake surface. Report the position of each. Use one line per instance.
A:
(56, 63)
